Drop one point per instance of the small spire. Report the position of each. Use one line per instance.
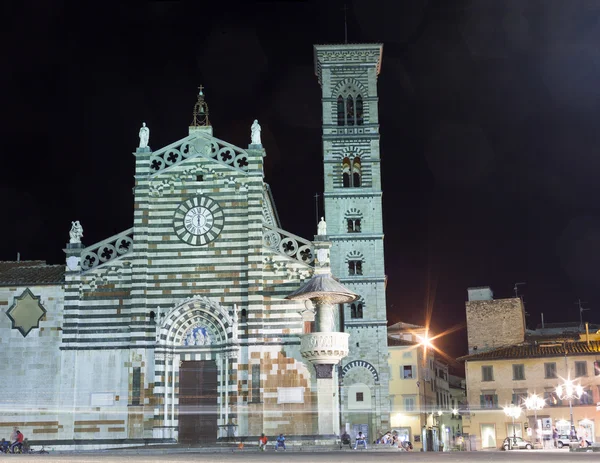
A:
(200, 112)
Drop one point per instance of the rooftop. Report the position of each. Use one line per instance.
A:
(30, 273)
(536, 350)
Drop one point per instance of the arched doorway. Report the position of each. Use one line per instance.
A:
(196, 346)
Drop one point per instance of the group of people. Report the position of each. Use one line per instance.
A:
(388, 438)
(16, 442)
(264, 440)
(361, 439)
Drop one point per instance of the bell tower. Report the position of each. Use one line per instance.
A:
(348, 75)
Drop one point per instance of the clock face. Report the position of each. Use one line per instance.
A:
(198, 221)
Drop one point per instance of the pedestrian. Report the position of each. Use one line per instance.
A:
(280, 442)
(262, 442)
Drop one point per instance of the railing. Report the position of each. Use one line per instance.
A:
(105, 251)
(324, 347)
(288, 245)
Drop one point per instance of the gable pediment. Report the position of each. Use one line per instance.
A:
(198, 145)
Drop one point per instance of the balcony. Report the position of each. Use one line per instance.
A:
(327, 348)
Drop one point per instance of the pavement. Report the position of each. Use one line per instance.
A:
(252, 454)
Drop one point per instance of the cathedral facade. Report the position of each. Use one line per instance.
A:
(178, 329)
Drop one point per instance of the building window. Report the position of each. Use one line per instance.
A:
(359, 111)
(351, 172)
(488, 400)
(518, 372)
(354, 267)
(586, 398)
(341, 120)
(596, 368)
(356, 310)
(349, 110)
(519, 397)
(550, 370)
(407, 372)
(353, 225)
(359, 397)
(580, 369)
(255, 383)
(409, 404)
(136, 386)
(552, 399)
(487, 373)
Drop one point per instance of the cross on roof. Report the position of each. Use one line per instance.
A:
(201, 88)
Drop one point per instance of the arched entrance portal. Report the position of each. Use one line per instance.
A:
(196, 346)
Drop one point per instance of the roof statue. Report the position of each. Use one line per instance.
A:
(255, 129)
(76, 232)
(322, 227)
(144, 136)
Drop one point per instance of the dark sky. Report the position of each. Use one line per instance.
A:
(489, 111)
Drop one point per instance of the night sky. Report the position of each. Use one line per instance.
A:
(489, 113)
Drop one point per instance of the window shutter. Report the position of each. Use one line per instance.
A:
(495, 401)
(514, 399)
(482, 401)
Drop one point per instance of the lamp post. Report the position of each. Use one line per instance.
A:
(535, 402)
(513, 412)
(570, 391)
(426, 343)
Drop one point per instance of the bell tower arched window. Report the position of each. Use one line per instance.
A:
(359, 110)
(349, 110)
(356, 310)
(341, 110)
(346, 173)
(351, 173)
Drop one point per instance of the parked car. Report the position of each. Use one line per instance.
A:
(564, 439)
(516, 443)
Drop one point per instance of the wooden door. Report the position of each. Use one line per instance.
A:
(198, 401)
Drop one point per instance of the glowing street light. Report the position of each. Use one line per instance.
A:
(570, 391)
(512, 411)
(535, 402)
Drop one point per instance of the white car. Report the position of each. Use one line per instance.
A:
(516, 443)
(564, 439)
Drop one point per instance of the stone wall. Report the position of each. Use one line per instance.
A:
(31, 378)
(495, 323)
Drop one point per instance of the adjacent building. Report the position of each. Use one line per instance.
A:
(507, 364)
(420, 390)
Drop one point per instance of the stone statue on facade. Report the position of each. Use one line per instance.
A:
(144, 136)
(255, 129)
(322, 227)
(76, 232)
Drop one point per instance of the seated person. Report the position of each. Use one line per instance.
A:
(360, 439)
(18, 443)
(4, 445)
(262, 442)
(346, 439)
(280, 442)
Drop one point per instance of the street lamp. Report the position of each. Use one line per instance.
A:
(570, 391)
(535, 402)
(513, 412)
(425, 341)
